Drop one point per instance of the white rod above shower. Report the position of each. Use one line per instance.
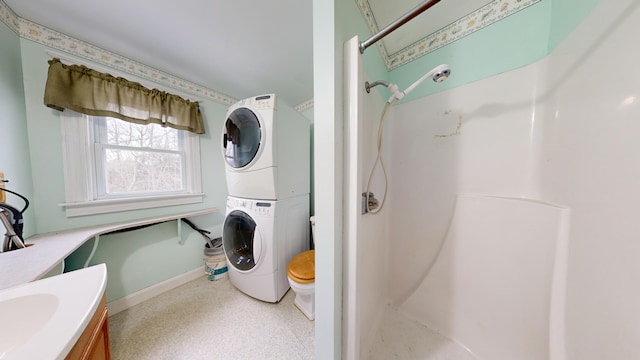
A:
(397, 23)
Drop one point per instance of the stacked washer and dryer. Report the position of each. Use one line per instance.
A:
(266, 147)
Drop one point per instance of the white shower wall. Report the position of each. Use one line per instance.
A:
(478, 138)
(565, 130)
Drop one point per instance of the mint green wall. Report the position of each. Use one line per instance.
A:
(156, 256)
(510, 43)
(138, 259)
(141, 258)
(14, 144)
(565, 16)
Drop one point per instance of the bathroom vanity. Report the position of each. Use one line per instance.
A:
(49, 318)
(93, 344)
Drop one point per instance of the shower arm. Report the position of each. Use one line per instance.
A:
(395, 92)
(368, 85)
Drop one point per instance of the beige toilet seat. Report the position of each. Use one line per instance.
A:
(302, 268)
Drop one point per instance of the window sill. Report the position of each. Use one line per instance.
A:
(116, 205)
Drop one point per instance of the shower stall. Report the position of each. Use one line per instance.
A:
(510, 230)
(450, 272)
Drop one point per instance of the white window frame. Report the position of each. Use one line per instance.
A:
(79, 173)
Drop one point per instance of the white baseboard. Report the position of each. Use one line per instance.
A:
(137, 297)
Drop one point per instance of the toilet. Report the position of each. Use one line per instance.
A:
(301, 273)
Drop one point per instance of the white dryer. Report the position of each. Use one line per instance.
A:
(266, 147)
(260, 237)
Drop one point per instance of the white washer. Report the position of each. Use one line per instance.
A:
(266, 147)
(260, 237)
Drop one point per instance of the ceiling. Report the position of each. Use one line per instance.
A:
(239, 48)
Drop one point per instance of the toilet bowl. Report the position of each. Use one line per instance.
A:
(302, 275)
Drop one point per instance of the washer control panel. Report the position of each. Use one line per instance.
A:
(257, 207)
(264, 101)
(263, 208)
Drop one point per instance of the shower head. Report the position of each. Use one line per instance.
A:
(438, 74)
(441, 73)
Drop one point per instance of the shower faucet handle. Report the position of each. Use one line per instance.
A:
(369, 202)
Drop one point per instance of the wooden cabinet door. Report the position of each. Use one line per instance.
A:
(93, 344)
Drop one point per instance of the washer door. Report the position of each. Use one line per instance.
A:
(241, 137)
(241, 240)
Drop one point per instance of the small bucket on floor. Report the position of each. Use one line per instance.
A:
(215, 262)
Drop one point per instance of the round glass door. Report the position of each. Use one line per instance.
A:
(241, 137)
(241, 240)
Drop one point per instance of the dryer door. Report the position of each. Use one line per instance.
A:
(241, 137)
(241, 240)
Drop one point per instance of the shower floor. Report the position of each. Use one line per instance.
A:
(399, 337)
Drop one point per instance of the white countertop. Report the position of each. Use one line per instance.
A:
(44, 319)
(25, 265)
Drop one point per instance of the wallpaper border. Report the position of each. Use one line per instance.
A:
(484, 16)
(53, 39)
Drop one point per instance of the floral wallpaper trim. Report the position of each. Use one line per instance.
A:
(484, 16)
(56, 40)
(10, 18)
(48, 37)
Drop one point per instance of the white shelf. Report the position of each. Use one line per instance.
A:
(25, 265)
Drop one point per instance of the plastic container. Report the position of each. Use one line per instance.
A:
(215, 262)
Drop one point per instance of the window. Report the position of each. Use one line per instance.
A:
(112, 165)
(137, 159)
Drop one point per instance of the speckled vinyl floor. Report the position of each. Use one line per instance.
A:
(211, 320)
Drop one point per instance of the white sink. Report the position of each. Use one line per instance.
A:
(44, 319)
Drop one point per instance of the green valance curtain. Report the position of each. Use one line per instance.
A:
(81, 89)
